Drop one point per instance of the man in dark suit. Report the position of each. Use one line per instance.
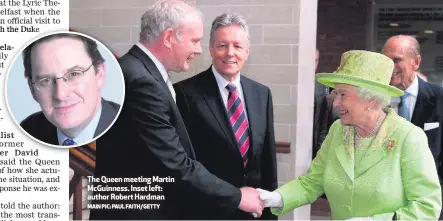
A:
(230, 117)
(422, 103)
(149, 139)
(65, 73)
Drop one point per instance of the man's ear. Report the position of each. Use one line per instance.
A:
(167, 37)
(211, 49)
(371, 103)
(32, 88)
(248, 50)
(417, 61)
(100, 75)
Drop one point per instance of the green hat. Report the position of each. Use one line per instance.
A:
(364, 69)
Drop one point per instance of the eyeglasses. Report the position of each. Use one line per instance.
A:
(72, 78)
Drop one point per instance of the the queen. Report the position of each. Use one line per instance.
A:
(373, 164)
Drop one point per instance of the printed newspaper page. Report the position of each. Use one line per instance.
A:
(221, 118)
(33, 176)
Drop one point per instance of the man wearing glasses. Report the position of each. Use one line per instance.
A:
(65, 73)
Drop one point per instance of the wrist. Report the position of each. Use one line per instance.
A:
(281, 200)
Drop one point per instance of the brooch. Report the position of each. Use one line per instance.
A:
(390, 144)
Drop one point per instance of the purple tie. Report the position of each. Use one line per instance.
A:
(237, 117)
(68, 142)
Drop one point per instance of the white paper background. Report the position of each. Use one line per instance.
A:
(18, 40)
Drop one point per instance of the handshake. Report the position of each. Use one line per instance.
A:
(255, 200)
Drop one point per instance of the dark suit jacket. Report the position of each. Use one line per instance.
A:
(429, 109)
(39, 127)
(320, 118)
(206, 119)
(150, 139)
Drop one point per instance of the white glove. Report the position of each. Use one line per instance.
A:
(271, 199)
(361, 219)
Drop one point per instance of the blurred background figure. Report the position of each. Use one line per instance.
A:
(422, 76)
(324, 113)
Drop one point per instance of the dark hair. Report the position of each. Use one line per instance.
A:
(90, 46)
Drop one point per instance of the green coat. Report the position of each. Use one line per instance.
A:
(397, 174)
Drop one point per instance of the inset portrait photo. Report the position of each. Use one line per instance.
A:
(64, 89)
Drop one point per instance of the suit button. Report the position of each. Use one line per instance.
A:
(348, 208)
(348, 187)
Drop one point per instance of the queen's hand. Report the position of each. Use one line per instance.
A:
(271, 199)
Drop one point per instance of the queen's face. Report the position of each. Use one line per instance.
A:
(348, 104)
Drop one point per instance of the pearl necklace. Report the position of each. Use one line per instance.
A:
(376, 127)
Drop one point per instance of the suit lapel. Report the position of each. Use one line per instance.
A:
(250, 96)
(150, 66)
(377, 151)
(106, 117)
(52, 137)
(423, 104)
(215, 103)
(345, 151)
(48, 132)
(153, 70)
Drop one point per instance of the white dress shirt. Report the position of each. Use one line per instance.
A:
(86, 135)
(160, 67)
(411, 99)
(221, 82)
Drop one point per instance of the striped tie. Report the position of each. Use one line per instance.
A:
(237, 117)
